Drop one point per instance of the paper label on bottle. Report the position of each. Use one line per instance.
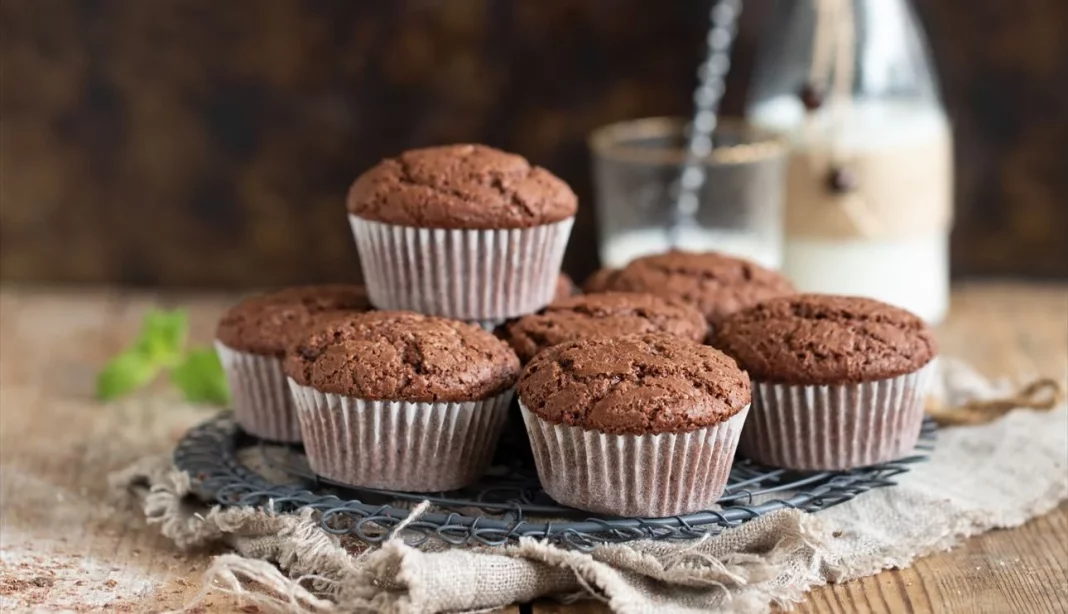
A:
(904, 190)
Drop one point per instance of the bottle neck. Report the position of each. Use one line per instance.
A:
(837, 52)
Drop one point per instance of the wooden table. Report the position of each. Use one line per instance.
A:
(65, 544)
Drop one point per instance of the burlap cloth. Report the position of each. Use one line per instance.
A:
(979, 478)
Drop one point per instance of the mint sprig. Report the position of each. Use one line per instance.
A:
(125, 373)
(163, 336)
(200, 377)
(161, 346)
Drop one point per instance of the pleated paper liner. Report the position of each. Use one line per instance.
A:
(398, 445)
(634, 475)
(835, 427)
(474, 275)
(262, 405)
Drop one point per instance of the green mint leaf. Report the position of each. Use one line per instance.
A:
(125, 373)
(160, 344)
(163, 335)
(201, 378)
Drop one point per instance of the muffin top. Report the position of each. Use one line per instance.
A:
(269, 323)
(600, 280)
(635, 384)
(403, 356)
(564, 287)
(821, 339)
(461, 186)
(717, 284)
(608, 314)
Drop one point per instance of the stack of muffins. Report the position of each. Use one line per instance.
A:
(629, 407)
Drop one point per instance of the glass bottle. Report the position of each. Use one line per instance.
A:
(869, 180)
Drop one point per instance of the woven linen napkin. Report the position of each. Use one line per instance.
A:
(979, 478)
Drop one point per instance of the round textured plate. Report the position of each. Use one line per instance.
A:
(230, 467)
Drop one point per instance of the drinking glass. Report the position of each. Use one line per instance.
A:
(635, 165)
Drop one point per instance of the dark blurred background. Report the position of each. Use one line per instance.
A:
(210, 143)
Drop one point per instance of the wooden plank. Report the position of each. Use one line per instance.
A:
(64, 544)
(1019, 570)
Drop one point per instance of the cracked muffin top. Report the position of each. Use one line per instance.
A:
(608, 314)
(715, 283)
(460, 186)
(403, 356)
(269, 323)
(634, 385)
(817, 339)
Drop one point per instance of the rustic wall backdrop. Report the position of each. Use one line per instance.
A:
(197, 142)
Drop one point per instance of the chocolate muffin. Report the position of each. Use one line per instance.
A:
(269, 323)
(461, 186)
(638, 425)
(839, 382)
(565, 287)
(461, 231)
(600, 280)
(717, 284)
(608, 314)
(251, 339)
(400, 400)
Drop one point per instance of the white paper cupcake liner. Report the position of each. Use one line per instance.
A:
(262, 404)
(634, 475)
(836, 426)
(474, 275)
(399, 445)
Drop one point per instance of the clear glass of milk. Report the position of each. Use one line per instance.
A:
(869, 178)
(635, 164)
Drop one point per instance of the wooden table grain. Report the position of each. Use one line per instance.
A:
(66, 544)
